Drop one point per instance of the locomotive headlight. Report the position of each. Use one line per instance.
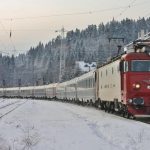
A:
(136, 86)
(130, 101)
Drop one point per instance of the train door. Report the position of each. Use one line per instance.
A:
(123, 69)
(97, 84)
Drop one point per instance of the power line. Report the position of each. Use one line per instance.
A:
(7, 33)
(78, 13)
(28, 30)
(125, 9)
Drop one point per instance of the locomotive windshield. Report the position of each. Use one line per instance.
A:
(140, 65)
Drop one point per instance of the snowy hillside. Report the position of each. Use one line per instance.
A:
(40, 65)
(44, 125)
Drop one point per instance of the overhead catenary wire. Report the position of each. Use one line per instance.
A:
(79, 13)
(8, 33)
(125, 9)
(18, 30)
(70, 14)
(65, 14)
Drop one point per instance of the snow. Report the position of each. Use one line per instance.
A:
(50, 125)
(86, 66)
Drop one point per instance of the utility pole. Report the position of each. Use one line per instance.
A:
(119, 46)
(62, 56)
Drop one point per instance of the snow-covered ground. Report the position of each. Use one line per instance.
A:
(49, 125)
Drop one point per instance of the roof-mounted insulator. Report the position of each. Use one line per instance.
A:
(140, 44)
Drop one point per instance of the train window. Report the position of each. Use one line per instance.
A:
(89, 82)
(86, 84)
(140, 65)
(126, 66)
(121, 66)
(95, 76)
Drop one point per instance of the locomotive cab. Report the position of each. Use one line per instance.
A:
(135, 83)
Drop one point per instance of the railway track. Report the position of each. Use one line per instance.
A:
(2, 101)
(3, 106)
(10, 108)
(144, 120)
(147, 121)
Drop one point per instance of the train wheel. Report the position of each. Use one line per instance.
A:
(128, 115)
(108, 107)
(91, 102)
(112, 108)
(105, 108)
(102, 106)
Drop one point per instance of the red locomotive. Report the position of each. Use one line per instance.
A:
(136, 83)
(123, 85)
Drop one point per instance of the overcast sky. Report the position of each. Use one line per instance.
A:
(32, 21)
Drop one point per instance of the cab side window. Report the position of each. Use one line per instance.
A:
(124, 67)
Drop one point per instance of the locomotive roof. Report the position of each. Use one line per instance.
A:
(136, 56)
(128, 56)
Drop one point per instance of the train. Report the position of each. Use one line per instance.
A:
(122, 85)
